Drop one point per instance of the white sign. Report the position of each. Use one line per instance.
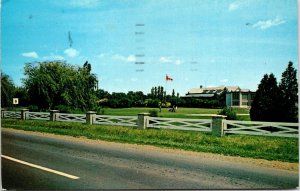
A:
(15, 101)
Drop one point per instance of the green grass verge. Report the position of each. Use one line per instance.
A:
(270, 148)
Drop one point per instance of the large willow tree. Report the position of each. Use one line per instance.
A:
(7, 90)
(56, 83)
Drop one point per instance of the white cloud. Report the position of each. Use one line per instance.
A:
(171, 60)
(165, 59)
(269, 23)
(110, 55)
(30, 54)
(178, 62)
(130, 58)
(53, 57)
(83, 3)
(224, 80)
(235, 5)
(71, 52)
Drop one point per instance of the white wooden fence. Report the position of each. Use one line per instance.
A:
(180, 124)
(38, 116)
(81, 118)
(116, 120)
(217, 125)
(11, 114)
(261, 128)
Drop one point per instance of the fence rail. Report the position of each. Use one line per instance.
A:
(11, 114)
(38, 116)
(180, 124)
(217, 125)
(116, 120)
(81, 118)
(261, 128)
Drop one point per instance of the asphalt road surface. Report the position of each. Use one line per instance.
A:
(38, 161)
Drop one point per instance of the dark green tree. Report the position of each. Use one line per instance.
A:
(7, 90)
(56, 83)
(155, 92)
(289, 94)
(22, 94)
(173, 93)
(222, 98)
(265, 106)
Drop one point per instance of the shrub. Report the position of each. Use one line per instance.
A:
(63, 109)
(153, 113)
(33, 108)
(231, 115)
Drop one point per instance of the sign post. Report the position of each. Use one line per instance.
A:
(15, 102)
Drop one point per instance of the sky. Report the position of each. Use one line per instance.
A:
(195, 42)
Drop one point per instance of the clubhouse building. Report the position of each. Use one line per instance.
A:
(235, 96)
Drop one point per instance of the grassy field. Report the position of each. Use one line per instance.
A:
(270, 148)
(180, 113)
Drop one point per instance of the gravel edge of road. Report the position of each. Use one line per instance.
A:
(210, 156)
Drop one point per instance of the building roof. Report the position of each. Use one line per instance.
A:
(200, 95)
(213, 90)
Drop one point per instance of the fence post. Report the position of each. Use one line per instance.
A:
(218, 125)
(2, 112)
(90, 117)
(24, 114)
(143, 120)
(54, 115)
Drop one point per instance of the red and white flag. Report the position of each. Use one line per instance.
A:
(168, 78)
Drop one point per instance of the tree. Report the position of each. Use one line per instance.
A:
(289, 94)
(222, 98)
(173, 93)
(22, 94)
(7, 90)
(56, 83)
(265, 105)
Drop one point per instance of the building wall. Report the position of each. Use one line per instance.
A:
(239, 99)
(228, 99)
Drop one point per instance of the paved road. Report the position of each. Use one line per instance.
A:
(101, 165)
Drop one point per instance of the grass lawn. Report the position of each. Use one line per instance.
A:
(270, 148)
(180, 113)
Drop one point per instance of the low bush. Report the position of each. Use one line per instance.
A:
(33, 108)
(231, 115)
(153, 113)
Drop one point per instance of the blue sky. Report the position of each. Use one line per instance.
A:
(196, 42)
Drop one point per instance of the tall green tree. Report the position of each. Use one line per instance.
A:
(265, 106)
(173, 93)
(7, 90)
(289, 94)
(55, 83)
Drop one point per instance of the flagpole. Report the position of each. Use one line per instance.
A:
(166, 88)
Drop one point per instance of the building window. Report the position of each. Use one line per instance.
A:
(245, 96)
(236, 96)
(235, 103)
